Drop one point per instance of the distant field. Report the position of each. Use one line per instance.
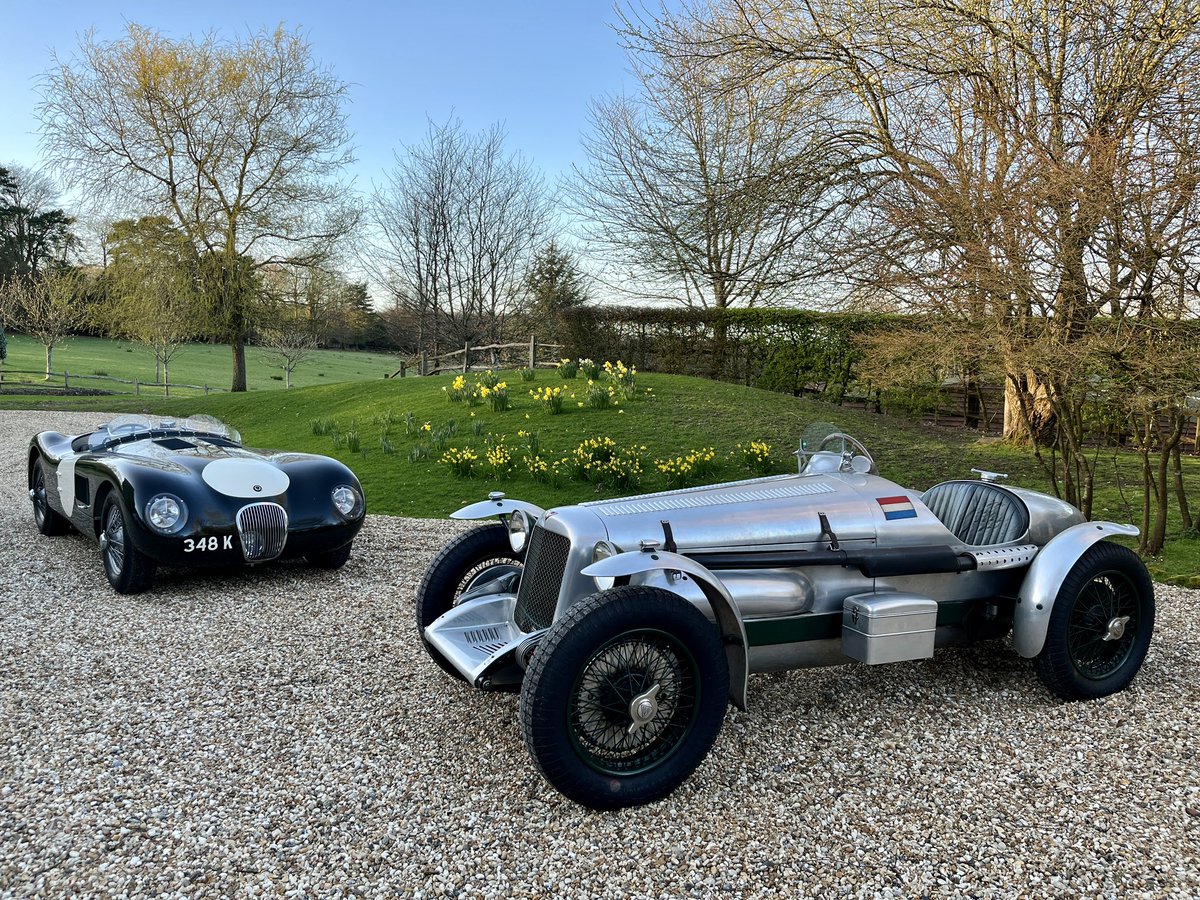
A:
(198, 364)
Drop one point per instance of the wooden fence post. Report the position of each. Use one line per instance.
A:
(466, 356)
(402, 366)
(137, 388)
(66, 380)
(206, 390)
(423, 364)
(533, 351)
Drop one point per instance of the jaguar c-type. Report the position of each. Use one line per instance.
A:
(186, 492)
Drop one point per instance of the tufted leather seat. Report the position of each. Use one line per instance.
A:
(979, 514)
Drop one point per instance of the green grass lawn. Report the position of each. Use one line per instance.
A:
(198, 364)
(679, 414)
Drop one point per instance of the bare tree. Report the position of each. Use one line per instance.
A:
(239, 142)
(705, 186)
(458, 219)
(287, 341)
(48, 309)
(1028, 168)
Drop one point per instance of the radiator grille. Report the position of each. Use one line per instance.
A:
(262, 529)
(541, 579)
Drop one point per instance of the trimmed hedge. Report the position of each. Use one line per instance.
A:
(787, 350)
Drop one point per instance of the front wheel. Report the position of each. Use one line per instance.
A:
(47, 520)
(1100, 626)
(624, 697)
(472, 559)
(128, 570)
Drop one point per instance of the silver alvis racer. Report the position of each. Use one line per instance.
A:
(629, 624)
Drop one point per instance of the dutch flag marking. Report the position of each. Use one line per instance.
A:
(896, 508)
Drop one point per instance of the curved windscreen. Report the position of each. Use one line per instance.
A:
(125, 427)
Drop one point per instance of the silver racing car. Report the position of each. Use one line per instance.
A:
(629, 624)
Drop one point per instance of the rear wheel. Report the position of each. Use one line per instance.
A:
(129, 570)
(47, 520)
(1100, 626)
(624, 697)
(474, 558)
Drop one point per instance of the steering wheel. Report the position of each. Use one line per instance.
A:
(858, 451)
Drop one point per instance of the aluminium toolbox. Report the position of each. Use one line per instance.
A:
(890, 627)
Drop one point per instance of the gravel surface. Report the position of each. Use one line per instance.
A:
(280, 732)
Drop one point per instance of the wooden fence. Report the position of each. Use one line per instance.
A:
(50, 382)
(532, 354)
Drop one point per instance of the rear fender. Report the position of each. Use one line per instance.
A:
(1035, 600)
(500, 507)
(729, 620)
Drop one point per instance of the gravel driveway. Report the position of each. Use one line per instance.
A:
(281, 732)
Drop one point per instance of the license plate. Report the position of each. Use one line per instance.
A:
(208, 544)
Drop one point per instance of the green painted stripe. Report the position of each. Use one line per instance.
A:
(823, 626)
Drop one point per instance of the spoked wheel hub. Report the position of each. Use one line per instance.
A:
(635, 701)
(1103, 625)
(112, 540)
(38, 495)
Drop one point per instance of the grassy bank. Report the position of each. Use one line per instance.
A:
(675, 416)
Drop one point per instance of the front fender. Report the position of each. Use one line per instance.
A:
(486, 508)
(1035, 600)
(729, 619)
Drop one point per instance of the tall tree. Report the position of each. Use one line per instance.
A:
(152, 282)
(458, 219)
(555, 285)
(703, 187)
(32, 232)
(1028, 167)
(239, 142)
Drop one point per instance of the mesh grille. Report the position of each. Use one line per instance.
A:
(262, 529)
(541, 579)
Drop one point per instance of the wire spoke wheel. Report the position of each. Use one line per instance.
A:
(648, 666)
(624, 696)
(1100, 625)
(40, 504)
(1103, 625)
(114, 546)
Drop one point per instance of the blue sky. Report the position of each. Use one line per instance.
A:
(532, 66)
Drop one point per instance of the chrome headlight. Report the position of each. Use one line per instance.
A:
(347, 501)
(166, 513)
(603, 550)
(518, 530)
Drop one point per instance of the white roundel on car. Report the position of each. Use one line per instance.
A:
(245, 478)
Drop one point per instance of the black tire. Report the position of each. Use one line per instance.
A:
(460, 561)
(1089, 651)
(331, 559)
(605, 654)
(129, 570)
(47, 520)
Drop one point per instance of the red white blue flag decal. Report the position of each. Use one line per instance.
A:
(896, 508)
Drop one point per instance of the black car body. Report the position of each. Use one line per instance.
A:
(158, 491)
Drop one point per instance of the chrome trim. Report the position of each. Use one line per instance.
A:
(476, 635)
(262, 530)
(697, 500)
(1004, 557)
